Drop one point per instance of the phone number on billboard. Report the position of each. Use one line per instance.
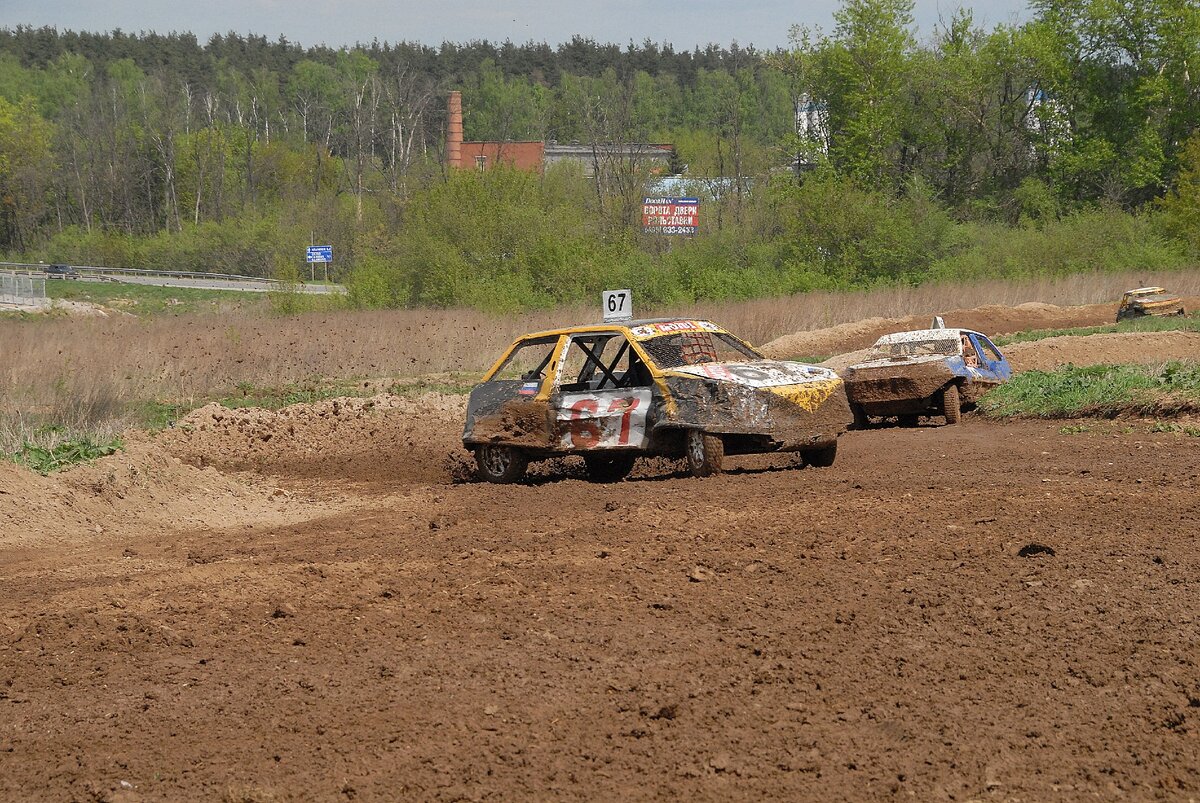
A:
(671, 229)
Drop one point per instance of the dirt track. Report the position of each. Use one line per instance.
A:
(309, 604)
(860, 632)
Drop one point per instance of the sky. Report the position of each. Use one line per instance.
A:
(683, 23)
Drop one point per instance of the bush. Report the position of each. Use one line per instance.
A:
(1088, 241)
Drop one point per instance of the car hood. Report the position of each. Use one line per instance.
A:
(806, 386)
(759, 374)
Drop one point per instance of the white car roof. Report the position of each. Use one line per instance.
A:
(923, 334)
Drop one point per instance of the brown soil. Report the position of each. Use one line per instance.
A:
(992, 320)
(1123, 347)
(383, 439)
(859, 632)
(948, 613)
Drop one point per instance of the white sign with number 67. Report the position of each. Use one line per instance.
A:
(617, 305)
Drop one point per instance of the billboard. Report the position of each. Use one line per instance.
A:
(670, 215)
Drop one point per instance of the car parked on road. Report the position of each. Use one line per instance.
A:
(925, 372)
(674, 388)
(61, 272)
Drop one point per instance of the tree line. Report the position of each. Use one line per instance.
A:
(159, 151)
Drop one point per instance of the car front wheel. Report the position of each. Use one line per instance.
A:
(704, 453)
(951, 404)
(861, 419)
(501, 464)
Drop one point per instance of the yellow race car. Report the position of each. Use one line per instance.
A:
(673, 388)
(1148, 301)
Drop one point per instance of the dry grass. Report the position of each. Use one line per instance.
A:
(95, 375)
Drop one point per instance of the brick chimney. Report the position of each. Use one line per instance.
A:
(454, 130)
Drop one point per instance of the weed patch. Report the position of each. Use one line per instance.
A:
(1098, 391)
(44, 459)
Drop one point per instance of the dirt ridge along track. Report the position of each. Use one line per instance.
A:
(992, 320)
(859, 632)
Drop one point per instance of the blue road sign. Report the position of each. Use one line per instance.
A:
(320, 253)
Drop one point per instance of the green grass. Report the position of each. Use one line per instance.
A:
(1166, 323)
(1098, 391)
(145, 299)
(44, 459)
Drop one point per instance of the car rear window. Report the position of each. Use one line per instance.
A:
(679, 349)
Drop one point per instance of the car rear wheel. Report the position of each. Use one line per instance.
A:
(951, 404)
(861, 419)
(500, 464)
(820, 458)
(605, 468)
(704, 453)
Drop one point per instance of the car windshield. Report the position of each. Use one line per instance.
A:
(942, 347)
(681, 349)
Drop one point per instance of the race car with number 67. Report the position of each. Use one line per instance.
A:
(673, 388)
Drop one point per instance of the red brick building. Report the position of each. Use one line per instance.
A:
(534, 156)
(483, 155)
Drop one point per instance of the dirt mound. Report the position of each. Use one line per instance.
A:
(1122, 347)
(142, 487)
(382, 439)
(991, 319)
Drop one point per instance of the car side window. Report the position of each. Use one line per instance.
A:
(989, 351)
(604, 361)
(970, 355)
(529, 361)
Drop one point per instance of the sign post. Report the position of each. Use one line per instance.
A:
(319, 253)
(617, 305)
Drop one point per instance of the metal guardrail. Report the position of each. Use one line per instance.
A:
(92, 270)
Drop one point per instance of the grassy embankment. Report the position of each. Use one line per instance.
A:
(148, 300)
(1103, 391)
(1100, 391)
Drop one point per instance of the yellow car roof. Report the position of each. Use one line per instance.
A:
(644, 329)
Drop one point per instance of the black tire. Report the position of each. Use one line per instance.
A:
(608, 468)
(861, 419)
(500, 464)
(704, 453)
(820, 458)
(951, 404)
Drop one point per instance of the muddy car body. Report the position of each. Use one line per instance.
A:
(673, 388)
(1148, 301)
(925, 372)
